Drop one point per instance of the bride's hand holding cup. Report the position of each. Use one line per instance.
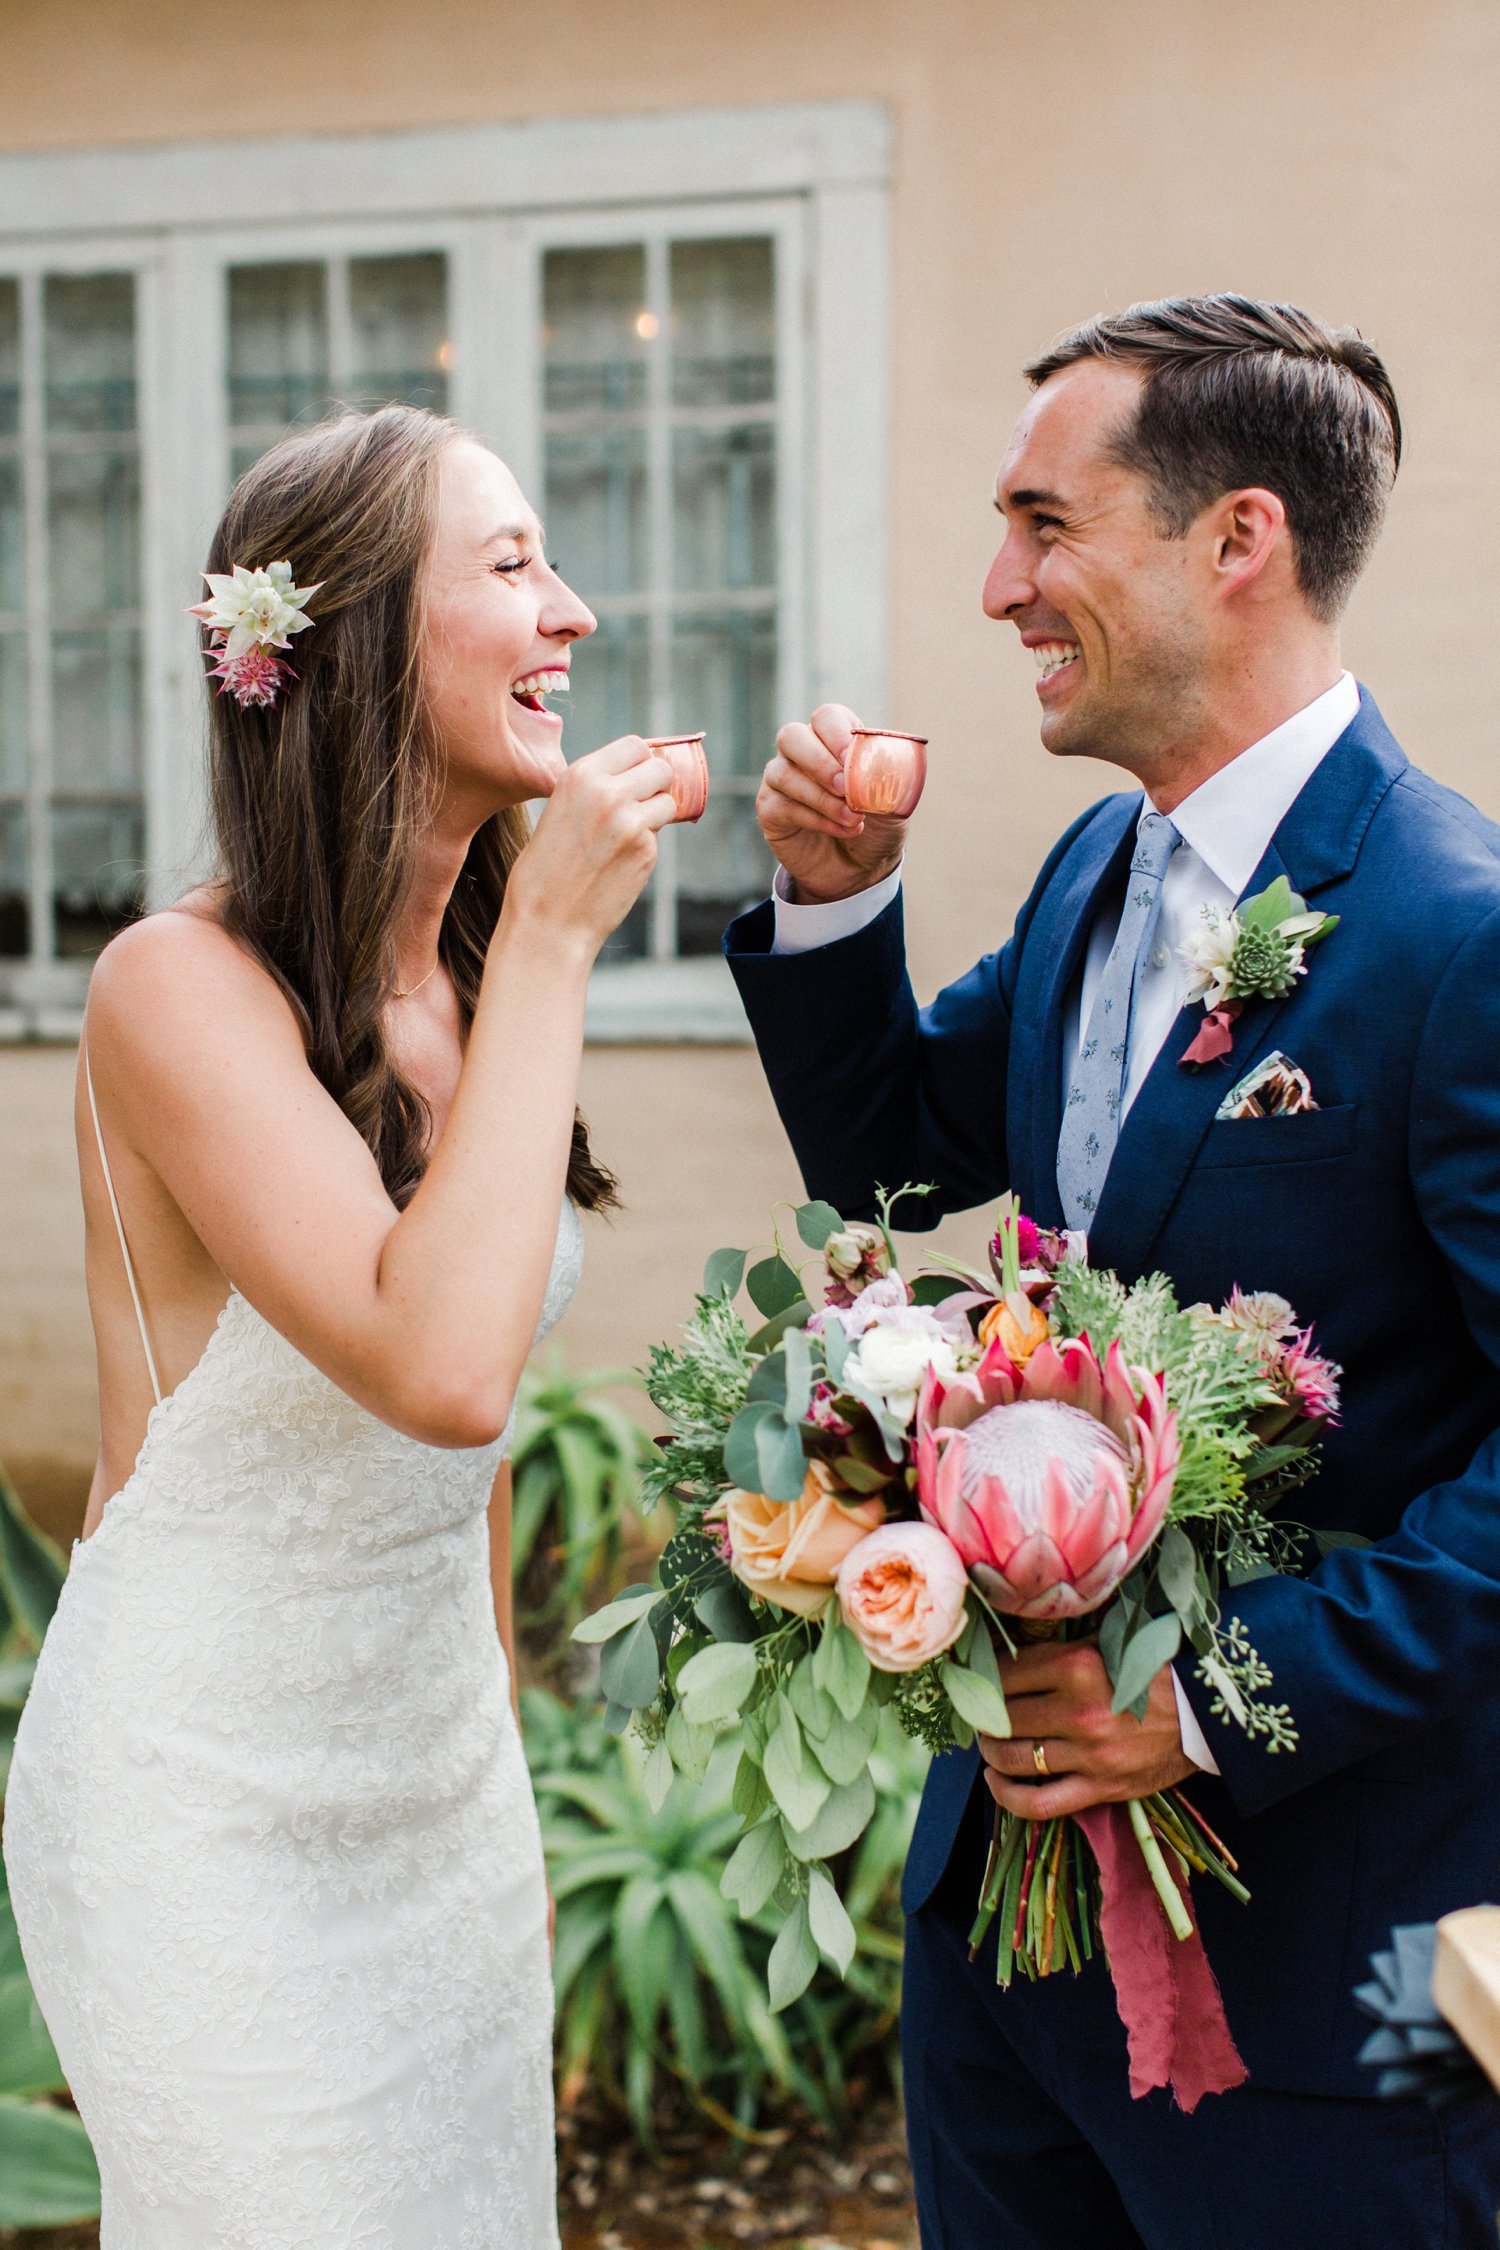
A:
(594, 848)
(834, 802)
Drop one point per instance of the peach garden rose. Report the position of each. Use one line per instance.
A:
(902, 1593)
(788, 1552)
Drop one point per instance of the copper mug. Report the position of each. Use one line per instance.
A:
(884, 772)
(689, 781)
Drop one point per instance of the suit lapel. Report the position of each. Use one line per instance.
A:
(1316, 845)
(1050, 960)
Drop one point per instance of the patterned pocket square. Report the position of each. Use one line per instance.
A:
(1274, 1088)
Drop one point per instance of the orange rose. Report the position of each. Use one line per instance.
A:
(788, 1551)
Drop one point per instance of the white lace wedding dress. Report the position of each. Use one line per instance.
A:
(271, 1839)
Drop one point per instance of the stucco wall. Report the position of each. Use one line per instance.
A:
(1047, 166)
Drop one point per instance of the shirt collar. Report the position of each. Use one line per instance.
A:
(1229, 819)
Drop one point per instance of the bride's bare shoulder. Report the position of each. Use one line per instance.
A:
(178, 969)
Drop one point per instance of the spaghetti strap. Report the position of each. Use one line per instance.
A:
(114, 1204)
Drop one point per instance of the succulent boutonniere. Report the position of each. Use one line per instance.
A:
(1254, 952)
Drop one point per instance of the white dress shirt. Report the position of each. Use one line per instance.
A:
(1225, 825)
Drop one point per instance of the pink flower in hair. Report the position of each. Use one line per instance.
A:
(249, 615)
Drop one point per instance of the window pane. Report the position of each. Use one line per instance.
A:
(610, 684)
(278, 344)
(13, 726)
(724, 867)
(12, 531)
(723, 323)
(98, 873)
(596, 329)
(724, 508)
(594, 506)
(93, 528)
(89, 345)
(399, 311)
(15, 909)
(724, 681)
(96, 706)
(10, 358)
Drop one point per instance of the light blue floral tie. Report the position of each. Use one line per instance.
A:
(1091, 1115)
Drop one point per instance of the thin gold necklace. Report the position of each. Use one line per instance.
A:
(412, 989)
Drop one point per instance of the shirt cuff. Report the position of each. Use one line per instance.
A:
(802, 929)
(1194, 1740)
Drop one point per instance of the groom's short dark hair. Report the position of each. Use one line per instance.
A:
(1239, 393)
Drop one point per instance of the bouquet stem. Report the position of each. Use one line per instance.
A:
(1157, 1868)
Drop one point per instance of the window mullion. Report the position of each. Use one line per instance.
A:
(659, 513)
(39, 715)
(341, 369)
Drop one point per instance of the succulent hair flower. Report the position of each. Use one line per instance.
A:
(249, 615)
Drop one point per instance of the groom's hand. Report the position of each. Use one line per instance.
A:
(1058, 1694)
(828, 851)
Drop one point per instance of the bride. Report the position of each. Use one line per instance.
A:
(271, 1841)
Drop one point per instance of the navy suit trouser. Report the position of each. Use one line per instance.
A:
(1024, 2135)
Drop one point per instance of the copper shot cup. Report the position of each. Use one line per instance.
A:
(689, 782)
(884, 772)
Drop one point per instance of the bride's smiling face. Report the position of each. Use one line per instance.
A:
(497, 632)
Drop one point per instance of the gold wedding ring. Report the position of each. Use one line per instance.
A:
(1039, 1757)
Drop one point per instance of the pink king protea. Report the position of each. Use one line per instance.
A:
(1050, 1479)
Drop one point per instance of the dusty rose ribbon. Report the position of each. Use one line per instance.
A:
(1166, 1992)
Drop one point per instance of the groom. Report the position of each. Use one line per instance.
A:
(1188, 500)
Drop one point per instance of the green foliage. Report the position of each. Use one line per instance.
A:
(578, 1462)
(661, 1986)
(48, 2176)
(698, 1391)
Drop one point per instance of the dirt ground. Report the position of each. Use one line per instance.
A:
(705, 2193)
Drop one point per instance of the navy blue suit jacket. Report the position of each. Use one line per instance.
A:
(1377, 1214)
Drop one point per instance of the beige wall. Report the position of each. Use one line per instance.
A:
(1047, 164)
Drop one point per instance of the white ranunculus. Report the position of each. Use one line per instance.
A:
(890, 1362)
(1207, 952)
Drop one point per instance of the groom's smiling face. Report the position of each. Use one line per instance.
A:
(1114, 612)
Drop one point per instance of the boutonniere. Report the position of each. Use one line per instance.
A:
(1256, 951)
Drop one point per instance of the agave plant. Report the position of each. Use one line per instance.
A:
(577, 1462)
(660, 1986)
(47, 2171)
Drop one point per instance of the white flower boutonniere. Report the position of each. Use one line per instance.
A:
(1257, 951)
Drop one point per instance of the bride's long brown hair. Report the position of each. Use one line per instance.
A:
(318, 803)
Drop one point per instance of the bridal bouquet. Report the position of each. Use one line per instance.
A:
(877, 1484)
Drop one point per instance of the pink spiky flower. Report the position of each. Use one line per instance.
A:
(1050, 1479)
(254, 676)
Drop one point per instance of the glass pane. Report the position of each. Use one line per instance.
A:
(596, 328)
(724, 507)
(93, 528)
(98, 874)
(12, 572)
(13, 722)
(15, 908)
(594, 506)
(723, 322)
(89, 343)
(278, 344)
(610, 684)
(96, 692)
(723, 866)
(399, 311)
(724, 681)
(10, 358)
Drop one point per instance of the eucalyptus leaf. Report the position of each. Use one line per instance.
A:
(768, 1381)
(624, 1610)
(1328, 1542)
(794, 1316)
(724, 1272)
(797, 1784)
(1113, 1630)
(656, 1779)
(815, 1708)
(750, 1795)
(832, 1930)
(816, 1222)
(844, 1751)
(840, 1821)
(741, 1459)
(630, 1665)
(1150, 1647)
(724, 1612)
(689, 1747)
(773, 1286)
(976, 1699)
(794, 1959)
(797, 1348)
(860, 1476)
(841, 1666)
(935, 1288)
(781, 1460)
(617, 1718)
(717, 1682)
(755, 1868)
(836, 1348)
(1177, 1569)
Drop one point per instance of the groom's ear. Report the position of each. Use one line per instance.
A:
(1248, 541)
